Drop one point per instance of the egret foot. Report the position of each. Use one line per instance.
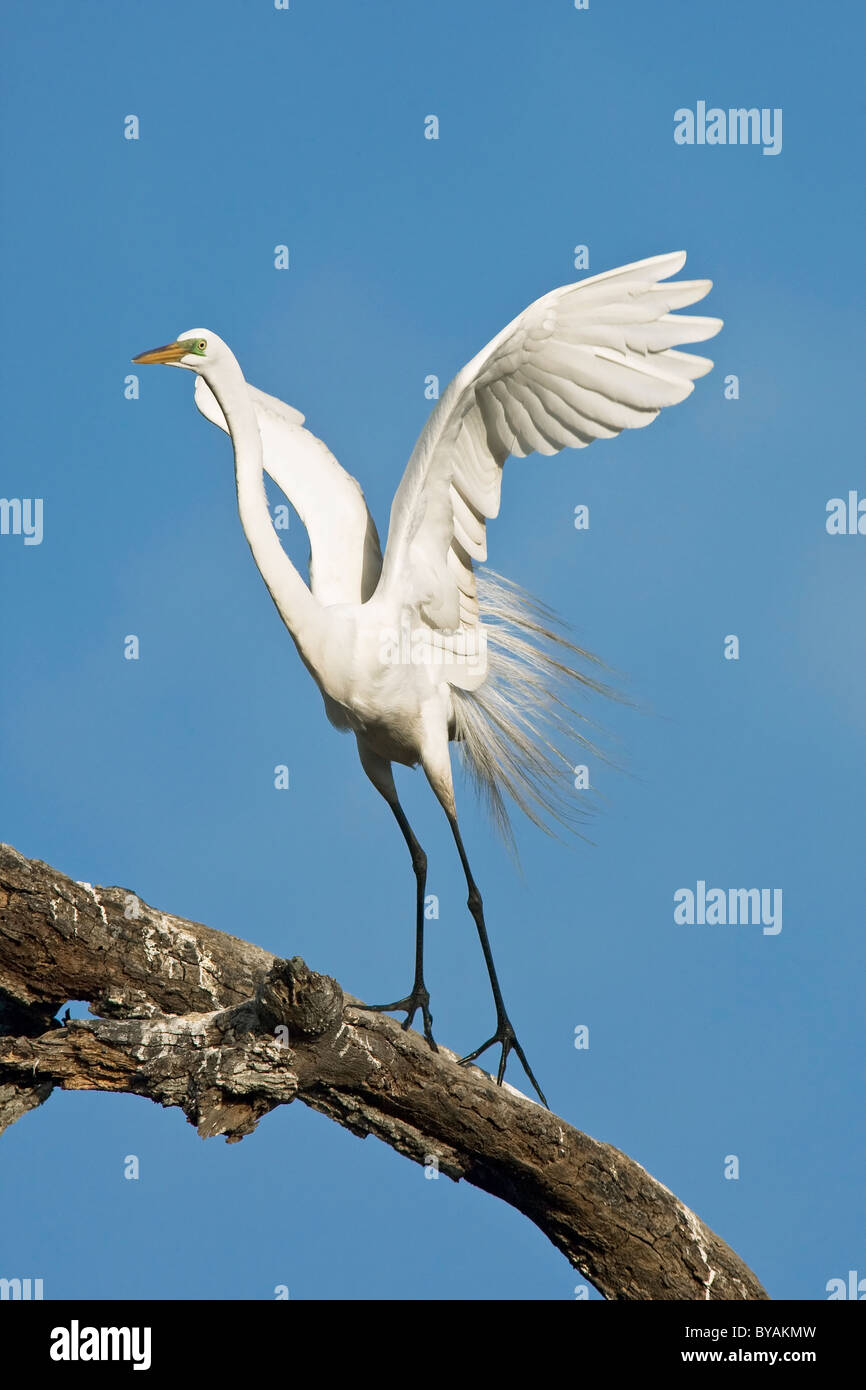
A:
(507, 1038)
(418, 999)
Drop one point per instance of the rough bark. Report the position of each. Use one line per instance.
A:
(192, 1017)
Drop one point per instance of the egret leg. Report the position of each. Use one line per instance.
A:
(505, 1034)
(382, 778)
(419, 997)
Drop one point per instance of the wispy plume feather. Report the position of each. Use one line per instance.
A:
(518, 732)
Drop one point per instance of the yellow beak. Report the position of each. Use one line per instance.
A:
(172, 352)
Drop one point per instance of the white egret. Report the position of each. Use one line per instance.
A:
(416, 650)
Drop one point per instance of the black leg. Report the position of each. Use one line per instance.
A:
(419, 998)
(504, 1034)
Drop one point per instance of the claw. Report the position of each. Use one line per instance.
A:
(418, 999)
(507, 1038)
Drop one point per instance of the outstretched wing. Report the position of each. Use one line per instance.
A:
(582, 363)
(345, 559)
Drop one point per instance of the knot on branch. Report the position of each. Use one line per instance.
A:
(310, 1005)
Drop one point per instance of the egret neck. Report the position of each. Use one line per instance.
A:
(300, 612)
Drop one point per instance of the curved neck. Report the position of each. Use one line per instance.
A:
(295, 604)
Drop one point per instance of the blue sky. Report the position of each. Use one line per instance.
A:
(305, 127)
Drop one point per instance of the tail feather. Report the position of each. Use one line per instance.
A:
(510, 731)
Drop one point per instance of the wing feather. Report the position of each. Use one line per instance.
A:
(582, 363)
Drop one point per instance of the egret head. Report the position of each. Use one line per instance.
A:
(198, 349)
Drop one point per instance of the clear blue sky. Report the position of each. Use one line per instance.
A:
(305, 127)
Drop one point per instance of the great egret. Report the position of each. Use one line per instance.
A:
(399, 645)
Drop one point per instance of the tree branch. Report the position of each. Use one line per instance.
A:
(191, 1017)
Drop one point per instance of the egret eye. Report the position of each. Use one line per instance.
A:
(201, 344)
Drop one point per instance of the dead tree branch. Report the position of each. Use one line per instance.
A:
(191, 1017)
